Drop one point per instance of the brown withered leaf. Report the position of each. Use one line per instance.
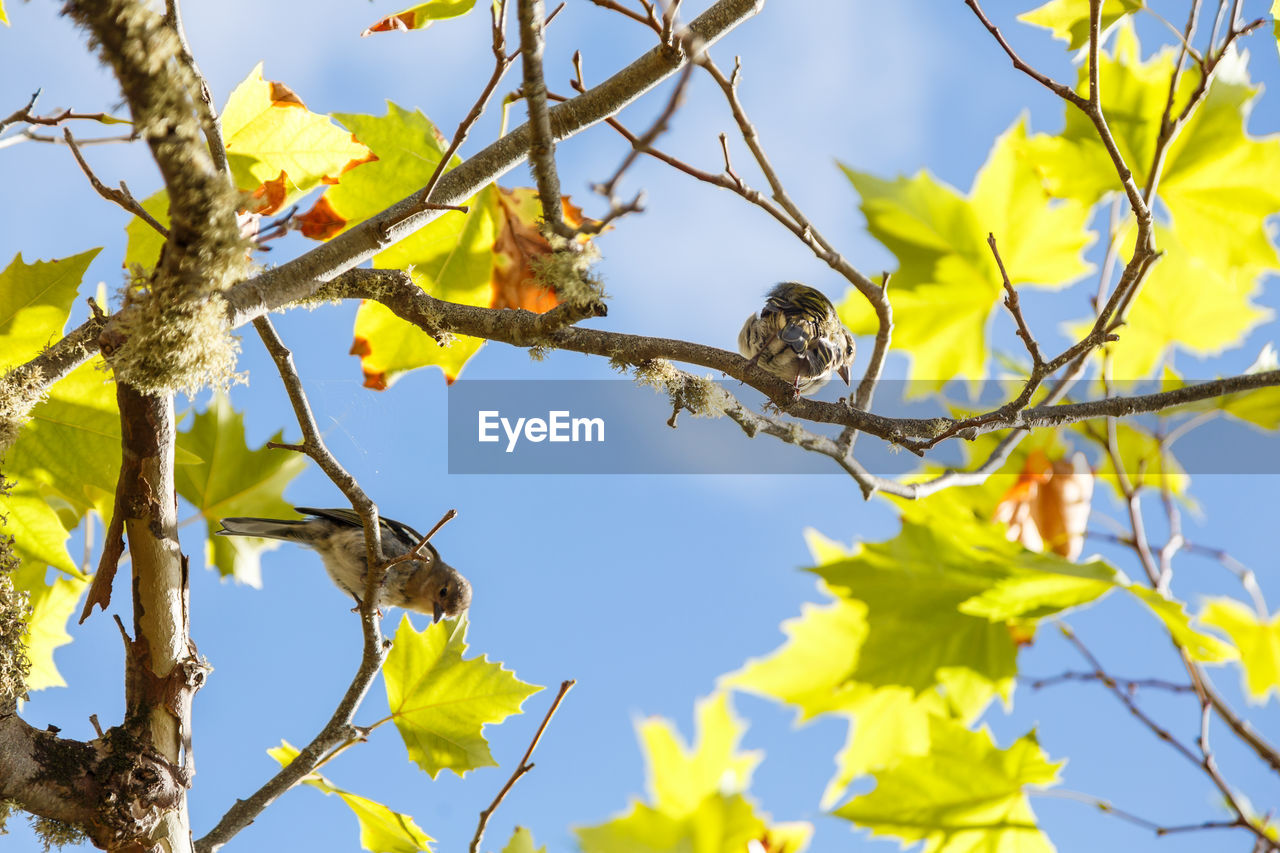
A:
(402, 21)
(377, 380)
(283, 95)
(271, 194)
(321, 222)
(518, 244)
(1047, 509)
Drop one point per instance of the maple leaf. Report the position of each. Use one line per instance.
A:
(420, 17)
(441, 701)
(947, 283)
(1069, 19)
(381, 829)
(272, 136)
(965, 794)
(1257, 638)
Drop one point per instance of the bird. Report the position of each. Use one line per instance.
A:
(798, 337)
(424, 585)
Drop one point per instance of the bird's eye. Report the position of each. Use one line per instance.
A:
(444, 592)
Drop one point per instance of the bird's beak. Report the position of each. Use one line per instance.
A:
(438, 611)
(844, 373)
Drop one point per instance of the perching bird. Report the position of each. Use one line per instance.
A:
(426, 585)
(798, 337)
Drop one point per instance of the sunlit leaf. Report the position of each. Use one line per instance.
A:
(697, 795)
(1218, 185)
(441, 701)
(1255, 637)
(231, 479)
(271, 134)
(52, 606)
(381, 829)
(1069, 19)
(421, 16)
(947, 282)
(1197, 303)
(681, 777)
(35, 301)
(965, 795)
(451, 258)
(1142, 458)
(1200, 646)
(522, 842)
(144, 242)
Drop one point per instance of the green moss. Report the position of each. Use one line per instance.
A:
(54, 833)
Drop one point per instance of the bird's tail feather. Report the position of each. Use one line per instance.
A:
(263, 528)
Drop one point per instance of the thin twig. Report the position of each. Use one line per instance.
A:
(649, 21)
(415, 552)
(211, 122)
(1011, 302)
(522, 768)
(1128, 701)
(339, 729)
(26, 116)
(542, 144)
(29, 135)
(122, 196)
(1159, 829)
(501, 63)
(1130, 684)
(640, 144)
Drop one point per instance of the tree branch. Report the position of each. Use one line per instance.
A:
(522, 768)
(122, 196)
(301, 277)
(542, 144)
(339, 728)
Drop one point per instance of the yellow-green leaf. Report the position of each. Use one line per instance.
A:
(451, 258)
(35, 301)
(1203, 647)
(1257, 639)
(1069, 19)
(381, 829)
(421, 16)
(697, 794)
(442, 701)
(522, 842)
(268, 130)
(1144, 462)
(144, 242)
(71, 446)
(679, 777)
(813, 670)
(1275, 22)
(1218, 185)
(52, 606)
(1198, 303)
(947, 282)
(965, 795)
(720, 824)
(232, 479)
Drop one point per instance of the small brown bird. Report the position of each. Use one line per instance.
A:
(425, 585)
(798, 337)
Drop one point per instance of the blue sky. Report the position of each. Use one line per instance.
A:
(643, 588)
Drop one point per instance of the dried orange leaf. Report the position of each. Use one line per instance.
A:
(321, 222)
(518, 246)
(1048, 507)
